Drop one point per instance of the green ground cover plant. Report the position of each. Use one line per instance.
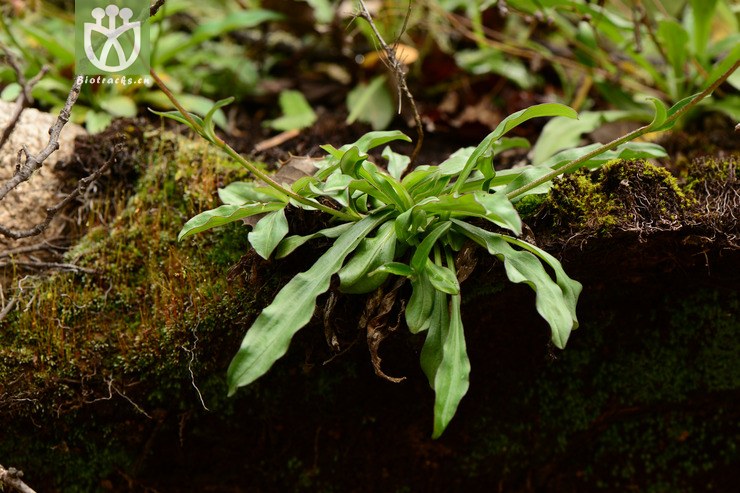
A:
(409, 224)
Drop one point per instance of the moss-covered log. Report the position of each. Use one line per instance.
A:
(115, 381)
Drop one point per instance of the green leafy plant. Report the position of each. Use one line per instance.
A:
(409, 225)
(197, 65)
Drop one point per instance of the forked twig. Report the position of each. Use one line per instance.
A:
(34, 162)
(398, 70)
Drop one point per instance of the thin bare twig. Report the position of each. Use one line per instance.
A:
(8, 308)
(34, 161)
(48, 265)
(53, 211)
(12, 477)
(44, 245)
(24, 99)
(398, 70)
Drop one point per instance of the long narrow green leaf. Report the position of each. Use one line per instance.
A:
(419, 311)
(419, 260)
(508, 123)
(524, 267)
(445, 362)
(377, 138)
(268, 338)
(570, 287)
(432, 352)
(291, 243)
(224, 215)
(268, 233)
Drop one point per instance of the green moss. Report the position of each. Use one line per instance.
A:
(621, 194)
(128, 334)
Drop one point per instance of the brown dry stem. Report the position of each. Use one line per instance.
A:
(11, 477)
(399, 72)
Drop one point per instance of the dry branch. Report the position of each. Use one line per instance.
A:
(53, 211)
(33, 162)
(12, 477)
(400, 73)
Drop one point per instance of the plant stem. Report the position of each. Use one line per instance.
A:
(264, 177)
(575, 164)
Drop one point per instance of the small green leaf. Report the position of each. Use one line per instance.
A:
(297, 113)
(11, 92)
(419, 310)
(121, 106)
(192, 103)
(268, 338)
(268, 233)
(371, 103)
(661, 113)
(397, 163)
(372, 253)
(224, 215)
(395, 268)
(351, 161)
(178, 117)
(442, 278)
(672, 111)
(208, 122)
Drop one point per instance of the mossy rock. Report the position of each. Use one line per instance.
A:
(116, 381)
